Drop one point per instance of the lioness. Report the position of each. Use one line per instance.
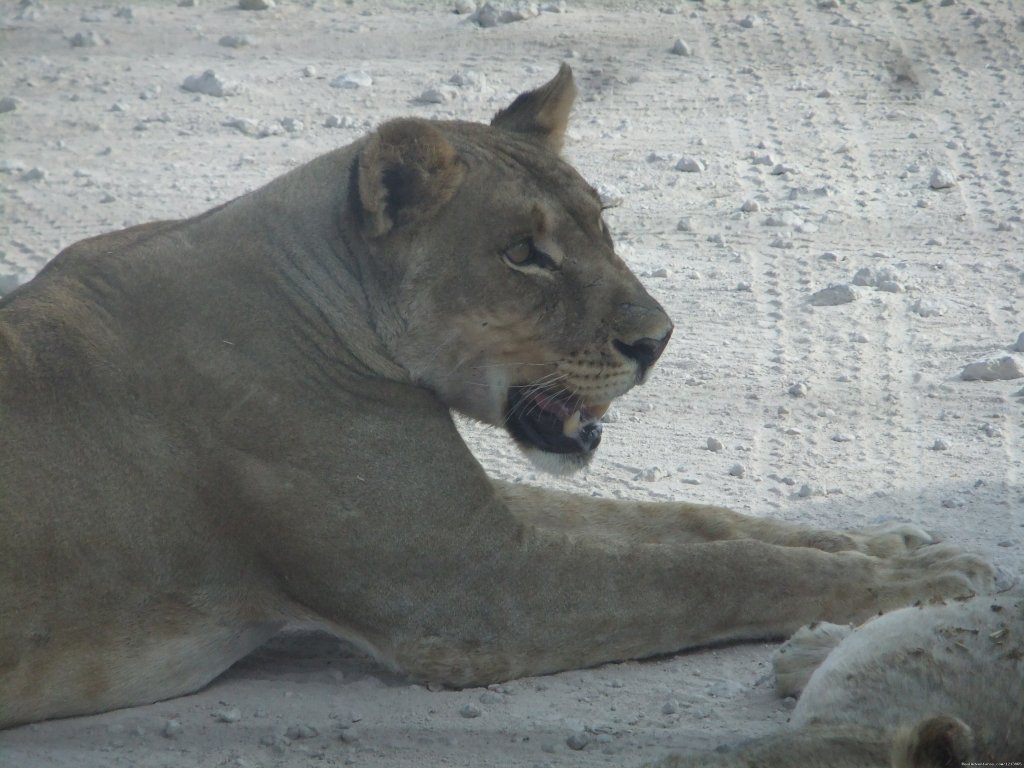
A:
(932, 686)
(211, 427)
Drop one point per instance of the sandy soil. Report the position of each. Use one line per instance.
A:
(819, 128)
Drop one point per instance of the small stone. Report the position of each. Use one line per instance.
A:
(34, 174)
(464, 7)
(714, 444)
(750, 206)
(680, 48)
(88, 39)
(337, 121)
(188, 3)
(890, 286)
(940, 445)
(928, 307)
(750, 21)
(834, 295)
(470, 710)
(992, 430)
(942, 178)
(231, 715)
(743, 287)
(842, 437)
(255, 5)
(125, 12)
(210, 84)
(799, 389)
(234, 41)
(859, 338)
(611, 197)
(737, 470)
(292, 125)
(351, 80)
(670, 707)
(660, 272)
(1003, 369)
(780, 169)
(309, 71)
(8, 104)
(1018, 346)
(865, 276)
(805, 491)
(471, 79)
(689, 164)
(301, 731)
(685, 225)
(578, 740)
(440, 95)
(171, 728)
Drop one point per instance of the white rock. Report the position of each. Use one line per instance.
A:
(940, 444)
(799, 389)
(670, 707)
(469, 79)
(292, 125)
(301, 731)
(890, 286)
(211, 84)
(231, 715)
(928, 307)
(834, 295)
(680, 48)
(611, 196)
(689, 164)
(842, 437)
(8, 104)
(86, 39)
(865, 276)
(309, 71)
(171, 728)
(255, 5)
(942, 178)
(1003, 369)
(661, 272)
(34, 174)
(1019, 345)
(737, 470)
(750, 206)
(578, 740)
(714, 444)
(357, 79)
(234, 41)
(470, 710)
(440, 95)
(337, 121)
(464, 6)
(747, 22)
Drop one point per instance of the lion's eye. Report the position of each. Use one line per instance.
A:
(526, 254)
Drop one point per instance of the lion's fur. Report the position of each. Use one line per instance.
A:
(213, 426)
(923, 687)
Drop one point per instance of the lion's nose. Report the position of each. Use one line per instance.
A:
(645, 351)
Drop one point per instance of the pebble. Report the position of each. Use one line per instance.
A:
(171, 728)
(34, 174)
(301, 731)
(578, 740)
(611, 197)
(992, 430)
(842, 437)
(255, 5)
(309, 71)
(865, 276)
(211, 84)
(235, 41)
(232, 715)
(440, 95)
(680, 48)
(670, 707)
(651, 474)
(750, 21)
(737, 470)
(464, 7)
(357, 79)
(750, 206)
(86, 39)
(805, 491)
(8, 104)
(928, 307)
(689, 164)
(470, 710)
(1018, 346)
(834, 295)
(660, 272)
(337, 121)
(799, 389)
(469, 78)
(942, 178)
(859, 338)
(714, 444)
(489, 15)
(1003, 369)
(940, 444)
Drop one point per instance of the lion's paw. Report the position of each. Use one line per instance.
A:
(796, 659)
(890, 539)
(939, 571)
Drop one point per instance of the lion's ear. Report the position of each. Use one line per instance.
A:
(407, 170)
(543, 113)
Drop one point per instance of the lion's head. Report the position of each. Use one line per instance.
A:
(493, 277)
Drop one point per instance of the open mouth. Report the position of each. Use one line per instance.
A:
(556, 423)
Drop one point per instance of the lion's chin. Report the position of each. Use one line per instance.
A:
(558, 463)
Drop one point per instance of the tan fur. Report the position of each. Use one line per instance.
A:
(924, 687)
(212, 426)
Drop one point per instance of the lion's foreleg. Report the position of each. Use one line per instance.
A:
(684, 523)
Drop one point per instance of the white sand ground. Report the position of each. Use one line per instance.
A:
(830, 119)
